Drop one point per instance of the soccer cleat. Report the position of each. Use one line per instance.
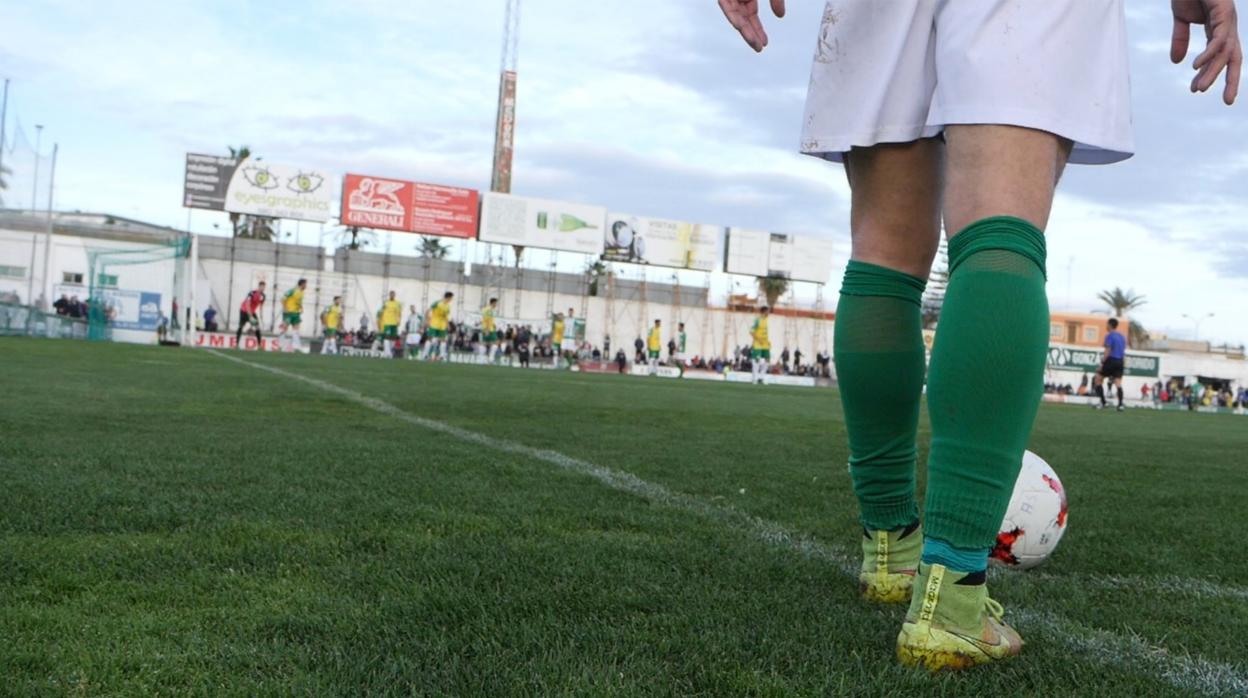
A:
(1122, 408)
(890, 560)
(953, 625)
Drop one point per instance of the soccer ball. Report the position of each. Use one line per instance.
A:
(1036, 519)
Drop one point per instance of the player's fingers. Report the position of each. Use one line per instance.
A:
(777, 8)
(1209, 72)
(1179, 39)
(1233, 70)
(1214, 48)
(760, 34)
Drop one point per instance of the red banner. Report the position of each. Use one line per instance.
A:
(410, 207)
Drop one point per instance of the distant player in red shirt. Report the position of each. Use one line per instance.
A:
(249, 312)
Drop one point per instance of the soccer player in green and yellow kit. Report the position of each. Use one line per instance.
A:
(292, 315)
(760, 346)
(556, 340)
(390, 317)
(654, 346)
(331, 318)
(437, 322)
(489, 331)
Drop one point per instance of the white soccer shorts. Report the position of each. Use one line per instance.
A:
(894, 71)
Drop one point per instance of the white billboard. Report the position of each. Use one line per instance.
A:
(662, 243)
(552, 225)
(760, 253)
(279, 191)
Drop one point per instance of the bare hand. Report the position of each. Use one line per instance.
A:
(743, 16)
(1222, 47)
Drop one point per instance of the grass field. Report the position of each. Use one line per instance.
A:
(175, 522)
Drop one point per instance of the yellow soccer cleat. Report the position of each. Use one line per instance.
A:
(890, 560)
(953, 625)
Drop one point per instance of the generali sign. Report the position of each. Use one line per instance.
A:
(409, 207)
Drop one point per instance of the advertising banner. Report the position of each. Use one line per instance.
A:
(552, 225)
(410, 207)
(760, 253)
(225, 340)
(662, 243)
(206, 181)
(278, 191)
(127, 310)
(1088, 360)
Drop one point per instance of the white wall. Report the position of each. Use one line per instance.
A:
(710, 332)
(68, 253)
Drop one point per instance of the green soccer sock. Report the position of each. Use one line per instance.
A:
(879, 356)
(985, 379)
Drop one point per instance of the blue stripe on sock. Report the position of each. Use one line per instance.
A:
(938, 552)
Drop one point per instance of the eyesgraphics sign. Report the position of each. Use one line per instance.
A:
(279, 191)
(662, 243)
(1066, 358)
(552, 225)
(761, 253)
(410, 207)
(206, 180)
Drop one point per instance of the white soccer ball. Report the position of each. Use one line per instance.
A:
(1036, 518)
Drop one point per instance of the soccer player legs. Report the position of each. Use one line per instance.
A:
(249, 312)
(390, 316)
(1112, 364)
(438, 321)
(654, 346)
(330, 319)
(895, 230)
(920, 70)
(556, 340)
(292, 315)
(489, 330)
(760, 346)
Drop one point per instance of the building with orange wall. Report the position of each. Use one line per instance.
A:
(1082, 329)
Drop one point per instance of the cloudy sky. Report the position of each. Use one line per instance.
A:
(648, 106)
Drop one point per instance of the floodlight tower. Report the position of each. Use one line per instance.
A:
(504, 129)
(505, 123)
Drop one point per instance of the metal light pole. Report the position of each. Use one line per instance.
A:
(4, 119)
(1196, 320)
(34, 185)
(47, 241)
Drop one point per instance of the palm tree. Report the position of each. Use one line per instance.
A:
(595, 271)
(241, 223)
(4, 184)
(432, 248)
(772, 287)
(1121, 301)
(353, 238)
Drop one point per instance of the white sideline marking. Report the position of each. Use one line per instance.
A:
(1180, 670)
(1198, 588)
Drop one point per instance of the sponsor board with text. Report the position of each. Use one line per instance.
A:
(551, 225)
(664, 243)
(261, 188)
(762, 253)
(1071, 358)
(410, 207)
(224, 340)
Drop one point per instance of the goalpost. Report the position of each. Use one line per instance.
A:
(165, 305)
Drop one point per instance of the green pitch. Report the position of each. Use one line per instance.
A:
(173, 522)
